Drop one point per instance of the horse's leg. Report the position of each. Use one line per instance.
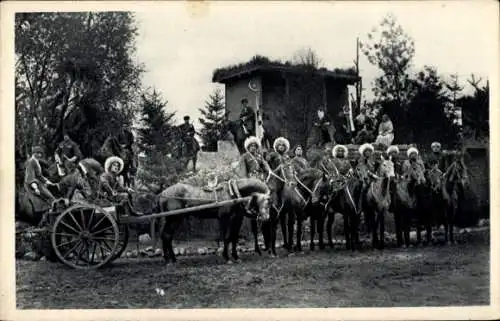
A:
(354, 223)
(291, 223)
(447, 223)
(397, 223)
(300, 221)
(347, 233)
(236, 223)
(167, 236)
(255, 233)
(451, 223)
(224, 222)
(283, 220)
(374, 225)
(419, 225)
(312, 226)
(195, 159)
(320, 226)
(273, 231)
(405, 222)
(381, 223)
(329, 223)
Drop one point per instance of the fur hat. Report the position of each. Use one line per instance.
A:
(37, 149)
(411, 150)
(436, 144)
(364, 147)
(281, 140)
(110, 161)
(251, 140)
(392, 148)
(336, 149)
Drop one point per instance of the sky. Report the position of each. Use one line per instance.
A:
(181, 44)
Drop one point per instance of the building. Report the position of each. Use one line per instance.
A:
(288, 94)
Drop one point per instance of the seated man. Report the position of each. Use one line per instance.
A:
(187, 133)
(414, 162)
(34, 181)
(340, 160)
(111, 182)
(298, 161)
(253, 164)
(385, 132)
(436, 155)
(66, 155)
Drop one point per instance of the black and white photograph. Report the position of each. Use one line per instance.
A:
(221, 155)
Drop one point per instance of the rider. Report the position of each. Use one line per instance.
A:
(34, 181)
(253, 163)
(342, 164)
(247, 117)
(299, 162)
(188, 132)
(436, 155)
(281, 158)
(326, 130)
(413, 162)
(326, 162)
(392, 153)
(67, 151)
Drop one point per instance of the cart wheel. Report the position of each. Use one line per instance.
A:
(123, 241)
(85, 237)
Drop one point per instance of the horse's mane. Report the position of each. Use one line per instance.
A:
(308, 176)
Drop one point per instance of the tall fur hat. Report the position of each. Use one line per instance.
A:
(364, 147)
(281, 140)
(436, 144)
(110, 161)
(411, 150)
(336, 149)
(37, 149)
(392, 148)
(251, 140)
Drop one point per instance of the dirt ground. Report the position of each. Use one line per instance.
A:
(430, 276)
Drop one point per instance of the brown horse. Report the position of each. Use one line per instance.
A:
(407, 204)
(302, 201)
(344, 197)
(377, 202)
(230, 217)
(456, 180)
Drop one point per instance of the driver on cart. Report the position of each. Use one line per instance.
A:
(34, 181)
(111, 182)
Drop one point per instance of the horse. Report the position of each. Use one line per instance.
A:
(239, 135)
(230, 217)
(301, 201)
(455, 183)
(408, 203)
(434, 202)
(344, 199)
(377, 202)
(186, 149)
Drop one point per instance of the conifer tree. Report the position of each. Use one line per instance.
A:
(213, 120)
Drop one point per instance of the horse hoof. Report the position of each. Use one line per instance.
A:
(229, 262)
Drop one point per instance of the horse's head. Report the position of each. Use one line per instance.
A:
(259, 204)
(321, 194)
(386, 169)
(417, 176)
(434, 179)
(458, 175)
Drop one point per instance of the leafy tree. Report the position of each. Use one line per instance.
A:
(390, 49)
(475, 111)
(427, 115)
(156, 132)
(75, 72)
(213, 120)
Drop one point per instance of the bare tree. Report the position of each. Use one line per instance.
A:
(307, 57)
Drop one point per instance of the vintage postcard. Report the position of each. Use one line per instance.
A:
(249, 160)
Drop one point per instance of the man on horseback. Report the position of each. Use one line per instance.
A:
(392, 154)
(413, 163)
(34, 181)
(247, 117)
(67, 154)
(280, 157)
(436, 155)
(323, 130)
(187, 134)
(298, 161)
(366, 166)
(253, 163)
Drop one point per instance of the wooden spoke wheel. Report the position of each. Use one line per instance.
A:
(85, 237)
(122, 242)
